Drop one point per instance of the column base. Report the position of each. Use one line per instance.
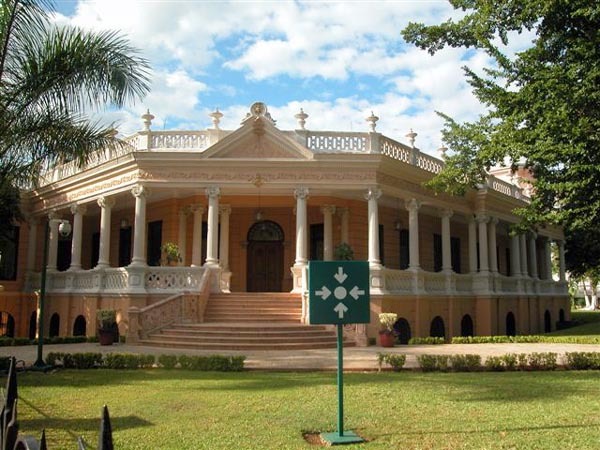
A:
(300, 280)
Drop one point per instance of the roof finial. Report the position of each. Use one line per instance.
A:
(301, 118)
(372, 121)
(216, 118)
(147, 120)
(411, 137)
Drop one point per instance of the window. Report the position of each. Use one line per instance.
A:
(455, 254)
(9, 252)
(508, 268)
(404, 250)
(316, 242)
(154, 242)
(437, 253)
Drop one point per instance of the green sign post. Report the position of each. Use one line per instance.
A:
(339, 295)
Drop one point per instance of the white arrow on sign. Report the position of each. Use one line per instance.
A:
(323, 293)
(355, 292)
(340, 308)
(340, 276)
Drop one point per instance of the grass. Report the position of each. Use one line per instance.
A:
(587, 332)
(161, 409)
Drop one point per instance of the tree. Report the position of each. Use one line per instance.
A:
(49, 77)
(543, 105)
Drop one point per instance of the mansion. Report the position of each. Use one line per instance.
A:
(247, 210)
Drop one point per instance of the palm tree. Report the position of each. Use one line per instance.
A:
(49, 77)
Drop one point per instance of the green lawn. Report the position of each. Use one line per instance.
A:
(589, 326)
(159, 409)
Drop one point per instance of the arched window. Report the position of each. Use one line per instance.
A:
(511, 327)
(265, 230)
(547, 322)
(32, 325)
(7, 325)
(79, 326)
(54, 325)
(402, 328)
(466, 326)
(437, 328)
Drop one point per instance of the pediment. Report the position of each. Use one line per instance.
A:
(258, 139)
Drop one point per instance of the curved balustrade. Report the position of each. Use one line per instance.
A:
(332, 142)
(395, 150)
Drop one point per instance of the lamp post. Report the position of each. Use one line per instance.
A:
(64, 229)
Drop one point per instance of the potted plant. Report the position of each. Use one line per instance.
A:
(343, 252)
(108, 330)
(387, 334)
(171, 252)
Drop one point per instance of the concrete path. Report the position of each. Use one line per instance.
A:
(355, 358)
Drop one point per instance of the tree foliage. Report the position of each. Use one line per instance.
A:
(49, 77)
(543, 105)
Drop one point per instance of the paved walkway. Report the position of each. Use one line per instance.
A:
(355, 358)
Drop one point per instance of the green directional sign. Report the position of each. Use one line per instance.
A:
(338, 292)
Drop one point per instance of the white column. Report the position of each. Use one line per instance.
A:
(212, 239)
(106, 204)
(493, 252)
(140, 193)
(301, 195)
(523, 255)
(78, 211)
(182, 236)
(472, 244)
(225, 211)
(561, 260)
(547, 259)
(515, 256)
(198, 211)
(413, 206)
(446, 247)
(32, 244)
(328, 211)
(345, 213)
(482, 221)
(372, 196)
(533, 254)
(53, 241)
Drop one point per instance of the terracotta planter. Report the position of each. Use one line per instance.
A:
(106, 337)
(387, 339)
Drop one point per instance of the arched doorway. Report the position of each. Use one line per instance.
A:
(54, 325)
(7, 325)
(511, 327)
(437, 328)
(265, 257)
(466, 326)
(33, 325)
(547, 322)
(79, 326)
(561, 315)
(402, 328)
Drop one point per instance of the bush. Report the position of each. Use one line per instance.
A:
(433, 363)
(216, 363)
(396, 361)
(430, 340)
(510, 361)
(583, 360)
(495, 364)
(167, 361)
(123, 360)
(86, 360)
(465, 363)
(542, 361)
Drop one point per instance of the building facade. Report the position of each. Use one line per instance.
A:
(249, 208)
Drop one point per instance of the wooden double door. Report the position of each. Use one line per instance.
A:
(265, 257)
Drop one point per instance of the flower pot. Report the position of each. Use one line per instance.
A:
(387, 339)
(106, 337)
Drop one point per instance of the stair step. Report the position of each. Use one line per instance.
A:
(240, 345)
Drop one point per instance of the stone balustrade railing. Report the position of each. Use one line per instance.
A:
(123, 280)
(409, 282)
(317, 141)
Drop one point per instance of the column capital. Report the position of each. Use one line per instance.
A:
(412, 205)
(197, 208)
(53, 215)
(494, 221)
(184, 210)
(76, 208)
(342, 210)
(373, 193)
(532, 235)
(213, 191)
(446, 212)
(301, 193)
(106, 202)
(482, 218)
(139, 190)
(329, 209)
(225, 209)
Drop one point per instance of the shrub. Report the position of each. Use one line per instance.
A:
(495, 363)
(53, 357)
(396, 361)
(522, 361)
(430, 340)
(510, 361)
(86, 360)
(167, 361)
(583, 360)
(465, 363)
(431, 363)
(216, 363)
(122, 360)
(542, 361)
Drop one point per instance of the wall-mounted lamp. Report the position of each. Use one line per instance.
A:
(124, 224)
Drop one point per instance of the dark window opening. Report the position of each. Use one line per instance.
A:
(404, 250)
(317, 241)
(9, 252)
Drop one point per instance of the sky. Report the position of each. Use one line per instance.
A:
(338, 60)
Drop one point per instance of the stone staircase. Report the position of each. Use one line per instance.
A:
(248, 321)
